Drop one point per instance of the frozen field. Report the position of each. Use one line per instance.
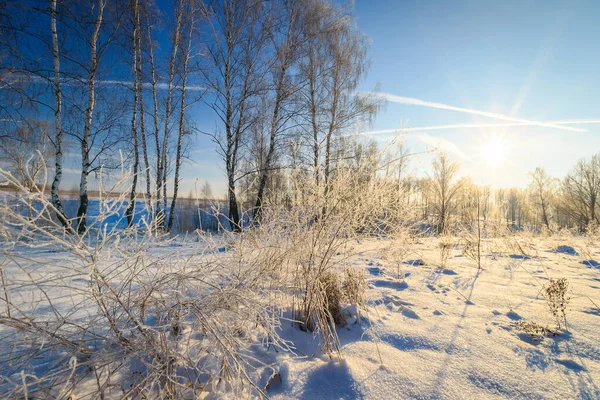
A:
(423, 333)
(447, 334)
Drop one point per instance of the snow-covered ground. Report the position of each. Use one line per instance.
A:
(427, 332)
(447, 334)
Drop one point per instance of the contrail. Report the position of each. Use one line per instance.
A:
(479, 126)
(108, 82)
(577, 121)
(441, 143)
(417, 102)
(148, 85)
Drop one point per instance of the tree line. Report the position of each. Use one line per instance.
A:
(547, 204)
(119, 84)
(116, 83)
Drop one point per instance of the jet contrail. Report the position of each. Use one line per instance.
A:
(108, 82)
(148, 85)
(576, 121)
(479, 126)
(441, 143)
(417, 102)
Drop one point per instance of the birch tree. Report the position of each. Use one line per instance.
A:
(89, 115)
(541, 188)
(136, 90)
(186, 55)
(96, 47)
(233, 72)
(58, 133)
(335, 60)
(444, 188)
(285, 38)
(158, 213)
(163, 172)
(140, 89)
(581, 189)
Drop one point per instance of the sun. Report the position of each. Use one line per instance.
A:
(494, 151)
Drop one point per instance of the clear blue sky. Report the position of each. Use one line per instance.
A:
(533, 60)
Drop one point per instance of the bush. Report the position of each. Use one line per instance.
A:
(472, 248)
(321, 305)
(514, 247)
(331, 292)
(535, 330)
(397, 251)
(555, 293)
(355, 286)
(149, 318)
(445, 247)
(122, 313)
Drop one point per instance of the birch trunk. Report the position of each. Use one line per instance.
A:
(158, 210)
(186, 60)
(136, 153)
(168, 107)
(274, 130)
(285, 52)
(140, 77)
(89, 114)
(60, 213)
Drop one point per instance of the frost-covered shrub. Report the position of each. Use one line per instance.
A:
(445, 248)
(515, 247)
(319, 234)
(355, 286)
(397, 251)
(472, 248)
(555, 293)
(535, 330)
(324, 311)
(321, 302)
(331, 291)
(123, 313)
(154, 327)
(130, 312)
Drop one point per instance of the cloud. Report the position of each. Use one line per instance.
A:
(417, 102)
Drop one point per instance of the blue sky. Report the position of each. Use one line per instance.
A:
(533, 60)
(536, 60)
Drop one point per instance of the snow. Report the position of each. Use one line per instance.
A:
(426, 332)
(435, 343)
